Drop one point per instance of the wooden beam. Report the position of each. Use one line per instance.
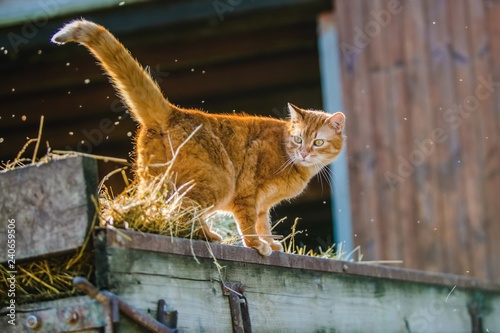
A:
(26, 31)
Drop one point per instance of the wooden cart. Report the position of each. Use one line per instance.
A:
(173, 285)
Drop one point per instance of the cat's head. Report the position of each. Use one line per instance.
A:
(314, 137)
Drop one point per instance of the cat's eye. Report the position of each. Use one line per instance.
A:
(297, 139)
(319, 142)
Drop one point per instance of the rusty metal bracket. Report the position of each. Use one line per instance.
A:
(238, 305)
(476, 311)
(167, 315)
(113, 303)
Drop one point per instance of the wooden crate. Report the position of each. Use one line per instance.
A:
(284, 292)
(50, 204)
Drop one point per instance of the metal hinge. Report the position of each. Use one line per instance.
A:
(113, 305)
(239, 307)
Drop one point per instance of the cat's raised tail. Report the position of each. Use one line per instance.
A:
(136, 87)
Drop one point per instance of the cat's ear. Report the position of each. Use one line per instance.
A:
(296, 113)
(337, 121)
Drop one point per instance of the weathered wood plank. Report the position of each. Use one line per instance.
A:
(465, 160)
(105, 239)
(487, 139)
(417, 90)
(402, 226)
(50, 204)
(492, 17)
(282, 292)
(369, 225)
(355, 59)
(446, 167)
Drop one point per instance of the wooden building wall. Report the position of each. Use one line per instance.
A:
(423, 118)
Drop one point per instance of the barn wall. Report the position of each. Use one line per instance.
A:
(423, 131)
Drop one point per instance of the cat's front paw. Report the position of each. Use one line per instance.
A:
(276, 246)
(262, 247)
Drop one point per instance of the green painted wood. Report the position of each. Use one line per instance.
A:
(285, 293)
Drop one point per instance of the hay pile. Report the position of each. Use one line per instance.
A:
(159, 208)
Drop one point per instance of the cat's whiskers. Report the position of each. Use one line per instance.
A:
(288, 164)
(325, 174)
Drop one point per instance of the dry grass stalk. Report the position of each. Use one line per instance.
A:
(49, 278)
(335, 251)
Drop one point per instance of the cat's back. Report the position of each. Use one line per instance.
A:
(240, 137)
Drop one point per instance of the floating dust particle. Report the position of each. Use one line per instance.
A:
(192, 69)
(82, 142)
(119, 117)
(5, 51)
(202, 72)
(121, 3)
(39, 52)
(23, 117)
(80, 106)
(117, 122)
(129, 134)
(87, 81)
(71, 133)
(69, 92)
(202, 102)
(175, 60)
(67, 64)
(1, 140)
(13, 116)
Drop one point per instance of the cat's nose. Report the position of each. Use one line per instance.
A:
(304, 155)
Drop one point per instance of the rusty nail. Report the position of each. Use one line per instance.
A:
(71, 317)
(33, 322)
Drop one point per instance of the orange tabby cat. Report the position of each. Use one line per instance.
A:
(239, 163)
